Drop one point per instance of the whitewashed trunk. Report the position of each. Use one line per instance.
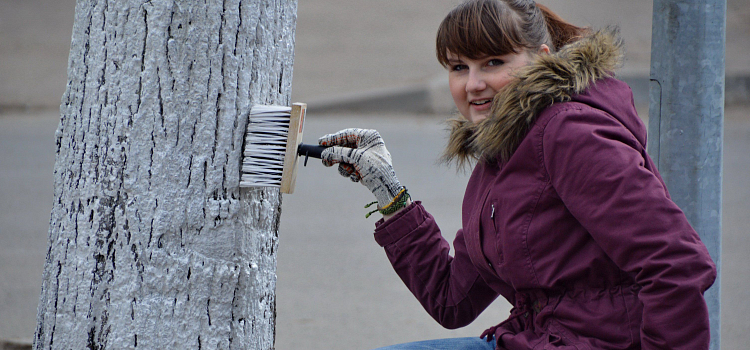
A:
(152, 243)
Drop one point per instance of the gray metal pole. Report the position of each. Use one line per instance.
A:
(686, 118)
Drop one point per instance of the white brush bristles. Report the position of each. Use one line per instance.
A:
(265, 146)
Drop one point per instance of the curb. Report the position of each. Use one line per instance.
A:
(411, 99)
(434, 97)
(6, 344)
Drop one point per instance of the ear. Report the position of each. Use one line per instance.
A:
(544, 49)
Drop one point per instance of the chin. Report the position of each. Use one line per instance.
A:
(478, 118)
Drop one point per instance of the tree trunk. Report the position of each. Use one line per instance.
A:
(152, 243)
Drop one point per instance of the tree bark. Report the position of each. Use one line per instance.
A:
(152, 243)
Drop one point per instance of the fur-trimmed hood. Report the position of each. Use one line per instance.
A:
(548, 79)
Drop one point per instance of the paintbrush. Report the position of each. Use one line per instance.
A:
(273, 146)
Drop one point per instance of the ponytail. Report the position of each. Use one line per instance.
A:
(560, 31)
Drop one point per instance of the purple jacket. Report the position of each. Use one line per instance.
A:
(576, 230)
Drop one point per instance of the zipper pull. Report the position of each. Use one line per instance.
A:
(492, 215)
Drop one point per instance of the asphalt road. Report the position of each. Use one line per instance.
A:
(336, 289)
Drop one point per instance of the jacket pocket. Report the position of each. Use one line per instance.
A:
(491, 234)
(497, 233)
(559, 338)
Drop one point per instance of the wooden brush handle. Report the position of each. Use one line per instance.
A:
(306, 150)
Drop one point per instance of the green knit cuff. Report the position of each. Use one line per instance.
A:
(397, 203)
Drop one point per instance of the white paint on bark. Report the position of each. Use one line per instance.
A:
(152, 243)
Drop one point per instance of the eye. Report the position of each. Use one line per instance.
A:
(458, 67)
(495, 62)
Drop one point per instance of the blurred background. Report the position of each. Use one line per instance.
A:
(358, 63)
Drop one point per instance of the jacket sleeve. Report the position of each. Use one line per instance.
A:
(601, 174)
(449, 288)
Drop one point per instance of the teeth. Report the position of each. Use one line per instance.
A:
(481, 102)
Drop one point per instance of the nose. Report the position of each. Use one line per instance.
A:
(475, 82)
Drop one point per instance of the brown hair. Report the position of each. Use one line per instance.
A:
(478, 28)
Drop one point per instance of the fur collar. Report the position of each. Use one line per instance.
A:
(548, 79)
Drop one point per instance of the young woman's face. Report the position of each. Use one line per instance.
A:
(474, 82)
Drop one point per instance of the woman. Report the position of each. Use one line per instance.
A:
(564, 215)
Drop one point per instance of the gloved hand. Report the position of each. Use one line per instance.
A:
(362, 156)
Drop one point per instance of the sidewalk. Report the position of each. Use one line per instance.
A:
(348, 51)
(380, 58)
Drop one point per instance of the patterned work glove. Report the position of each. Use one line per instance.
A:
(362, 156)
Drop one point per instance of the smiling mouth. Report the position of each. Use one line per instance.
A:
(481, 102)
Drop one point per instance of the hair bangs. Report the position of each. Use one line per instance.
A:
(478, 29)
